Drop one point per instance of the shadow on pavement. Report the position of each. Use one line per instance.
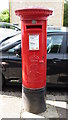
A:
(12, 90)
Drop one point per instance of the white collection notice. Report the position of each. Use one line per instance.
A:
(34, 42)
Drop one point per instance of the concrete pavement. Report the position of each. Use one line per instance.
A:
(11, 104)
(11, 107)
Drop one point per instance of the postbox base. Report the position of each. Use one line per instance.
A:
(33, 100)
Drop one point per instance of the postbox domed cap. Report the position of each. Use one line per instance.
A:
(33, 13)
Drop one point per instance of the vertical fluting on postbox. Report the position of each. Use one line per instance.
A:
(34, 50)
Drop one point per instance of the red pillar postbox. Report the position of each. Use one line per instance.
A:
(34, 50)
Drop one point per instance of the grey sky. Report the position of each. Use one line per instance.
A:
(4, 5)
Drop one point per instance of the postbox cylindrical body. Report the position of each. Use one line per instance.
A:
(34, 48)
(34, 54)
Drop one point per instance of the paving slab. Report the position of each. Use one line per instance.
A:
(10, 107)
(50, 112)
(30, 115)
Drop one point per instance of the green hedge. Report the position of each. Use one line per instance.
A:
(4, 16)
(66, 14)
